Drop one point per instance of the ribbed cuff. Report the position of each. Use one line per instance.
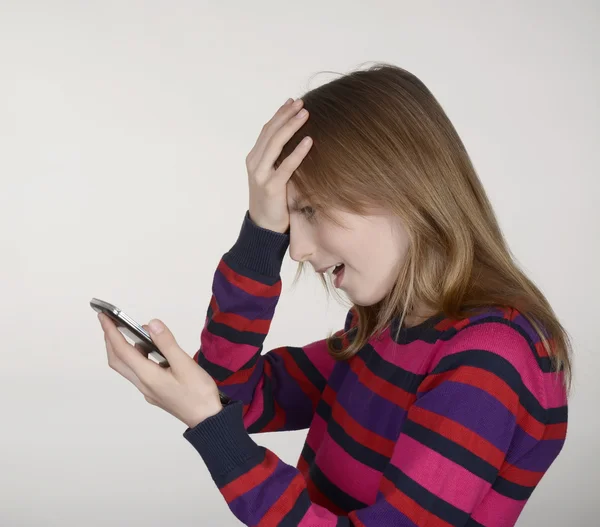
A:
(222, 440)
(258, 249)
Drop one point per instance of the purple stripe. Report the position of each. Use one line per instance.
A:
(244, 391)
(541, 456)
(383, 513)
(521, 443)
(369, 409)
(492, 312)
(295, 402)
(232, 299)
(251, 506)
(528, 328)
(474, 408)
(338, 375)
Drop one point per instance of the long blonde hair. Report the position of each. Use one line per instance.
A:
(380, 137)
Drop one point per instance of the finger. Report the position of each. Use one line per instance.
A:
(281, 118)
(140, 366)
(292, 162)
(279, 139)
(120, 367)
(278, 116)
(168, 346)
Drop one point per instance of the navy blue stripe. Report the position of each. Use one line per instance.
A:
(426, 499)
(512, 490)
(336, 495)
(307, 367)
(329, 489)
(450, 450)
(297, 512)
(357, 450)
(404, 379)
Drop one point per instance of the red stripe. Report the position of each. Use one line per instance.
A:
(241, 324)
(284, 504)
(410, 508)
(381, 387)
(236, 322)
(541, 351)
(238, 377)
(302, 466)
(520, 476)
(298, 375)
(459, 434)
(249, 285)
(251, 479)
(365, 437)
(556, 431)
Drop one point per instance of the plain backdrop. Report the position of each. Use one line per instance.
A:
(124, 127)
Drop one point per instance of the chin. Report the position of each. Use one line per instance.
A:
(366, 301)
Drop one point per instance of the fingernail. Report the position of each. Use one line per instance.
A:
(301, 113)
(156, 327)
(288, 102)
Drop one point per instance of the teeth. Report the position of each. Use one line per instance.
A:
(332, 268)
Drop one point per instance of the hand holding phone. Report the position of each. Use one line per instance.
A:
(139, 335)
(131, 329)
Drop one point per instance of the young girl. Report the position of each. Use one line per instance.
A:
(442, 401)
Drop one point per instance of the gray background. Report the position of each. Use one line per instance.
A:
(123, 132)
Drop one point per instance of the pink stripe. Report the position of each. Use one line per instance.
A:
(497, 511)
(317, 515)
(350, 475)
(506, 342)
(414, 357)
(319, 357)
(439, 475)
(257, 406)
(222, 352)
(316, 432)
(233, 356)
(556, 393)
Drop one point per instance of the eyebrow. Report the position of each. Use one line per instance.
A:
(296, 204)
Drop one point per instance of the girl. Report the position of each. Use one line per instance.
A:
(442, 401)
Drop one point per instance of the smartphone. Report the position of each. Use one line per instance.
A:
(131, 329)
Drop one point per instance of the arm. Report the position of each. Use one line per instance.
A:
(447, 457)
(280, 389)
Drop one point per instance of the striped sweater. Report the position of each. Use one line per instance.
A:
(447, 423)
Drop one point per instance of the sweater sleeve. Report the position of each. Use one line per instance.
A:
(447, 457)
(279, 390)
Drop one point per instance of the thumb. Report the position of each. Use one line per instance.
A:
(165, 341)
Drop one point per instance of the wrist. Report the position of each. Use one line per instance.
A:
(209, 409)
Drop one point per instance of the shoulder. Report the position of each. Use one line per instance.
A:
(497, 333)
(497, 346)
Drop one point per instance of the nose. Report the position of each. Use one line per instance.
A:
(301, 242)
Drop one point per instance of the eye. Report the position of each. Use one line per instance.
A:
(309, 212)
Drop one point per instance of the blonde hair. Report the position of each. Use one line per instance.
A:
(381, 138)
